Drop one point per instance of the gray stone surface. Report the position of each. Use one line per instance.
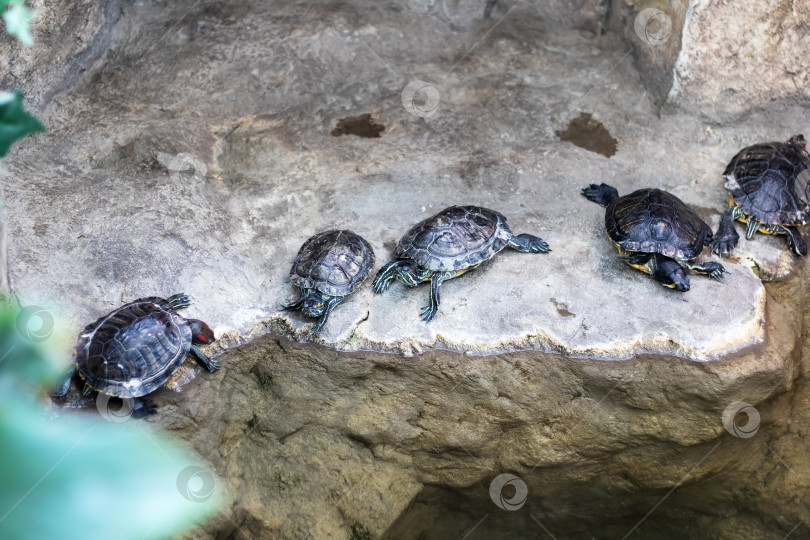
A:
(205, 164)
(198, 157)
(69, 36)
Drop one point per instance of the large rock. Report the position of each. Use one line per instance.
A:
(738, 55)
(200, 155)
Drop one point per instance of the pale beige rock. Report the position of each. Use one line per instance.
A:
(738, 55)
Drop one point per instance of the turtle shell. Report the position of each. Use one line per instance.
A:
(762, 180)
(456, 238)
(654, 221)
(333, 262)
(133, 350)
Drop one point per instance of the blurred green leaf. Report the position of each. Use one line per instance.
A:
(17, 18)
(15, 123)
(77, 476)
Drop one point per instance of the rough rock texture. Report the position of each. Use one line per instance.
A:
(202, 162)
(654, 30)
(737, 55)
(199, 156)
(68, 37)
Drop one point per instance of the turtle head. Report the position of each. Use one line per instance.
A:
(798, 140)
(201, 333)
(408, 272)
(314, 305)
(670, 274)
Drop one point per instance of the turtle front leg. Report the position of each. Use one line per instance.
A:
(429, 311)
(331, 304)
(293, 306)
(527, 243)
(211, 364)
(712, 269)
(795, 240)
(726, 237)
(385, 276)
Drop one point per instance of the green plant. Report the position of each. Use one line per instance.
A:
(77, 476)
(15, 123)
(17, 17)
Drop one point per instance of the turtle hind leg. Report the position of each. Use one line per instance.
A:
(527, 243)
(751, 227)
(61, 389)
(726, 238)
(331, 304)
(385, 276)
(178, 301)
(602, 194)
(712, 269)
(430, 310)
(210, 364)
(143, 407)
(796, 240)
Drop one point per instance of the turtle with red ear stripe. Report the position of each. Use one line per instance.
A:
(133, 350)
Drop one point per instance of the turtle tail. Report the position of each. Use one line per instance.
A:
(179, 301)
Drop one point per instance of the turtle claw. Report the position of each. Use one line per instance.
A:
(428, 312)
(726, 237)
(714, 270)
(381, 286)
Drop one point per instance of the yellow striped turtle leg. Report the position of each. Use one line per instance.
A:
(429, 311)
(385, 276)
(712, 269)
(752, 226)
(179, 301)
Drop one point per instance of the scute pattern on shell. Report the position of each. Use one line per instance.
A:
(456, 238)
(133, 350)
(334, 262)
(654, 221)
(761, 180)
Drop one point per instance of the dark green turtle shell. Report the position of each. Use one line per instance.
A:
(456, 238)
(654, 221)
(762, 180)
(133, 350)
(333, 262)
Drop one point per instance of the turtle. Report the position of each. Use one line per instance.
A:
(329, 267)
(447, 245)
(767, 186)
(655, 232)
(133, 350)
